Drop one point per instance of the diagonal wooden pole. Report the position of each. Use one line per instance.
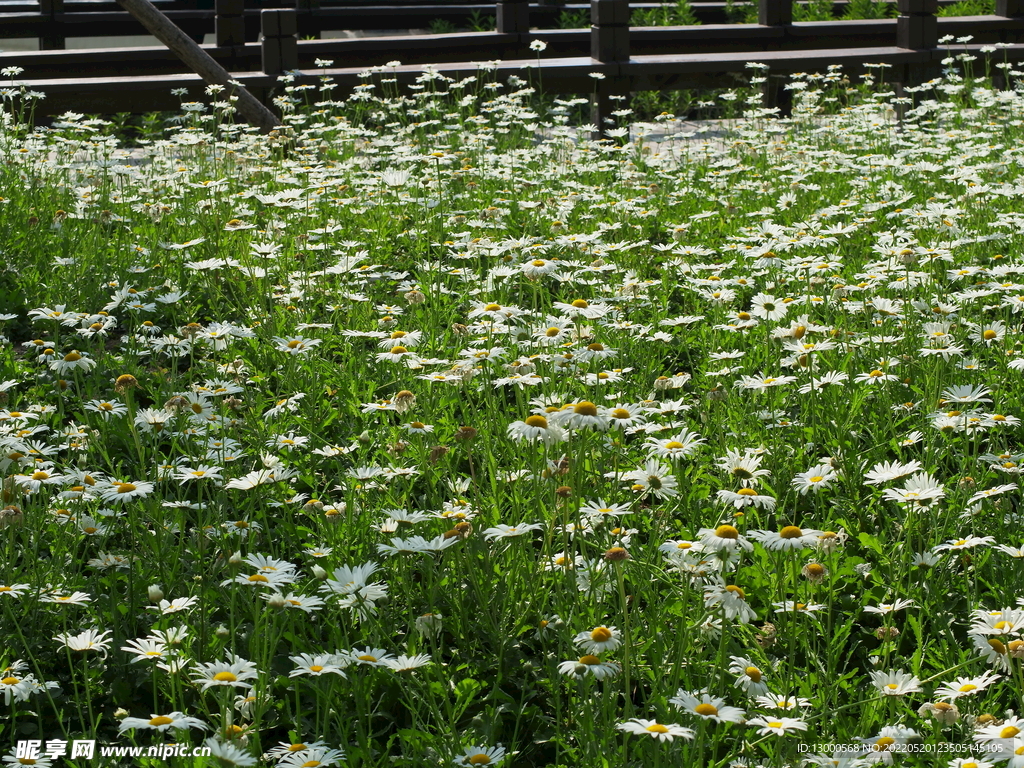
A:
(168, 33)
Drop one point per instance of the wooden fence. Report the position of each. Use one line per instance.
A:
(52, 21)
(624, 59)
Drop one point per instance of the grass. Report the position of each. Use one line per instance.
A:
(428, 432)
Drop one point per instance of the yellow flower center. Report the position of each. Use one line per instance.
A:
(738, 591)
(126, 488)
(883, 743)
(673, 445)
(399, 350)
(989, 334)
(595, 347)
(480, 759)
(589, 660)
(753, 673)
(367, 657)
(790, 532)
(585, 408)
(316, 668)
(72, 357)
(815, 479)
(537, 421)
(40, 475)
(10, 681)
(225, 677)
(601, 635)
(657, 728)
(997, 646)
(311, 764)
(746, 492)
(621, 413)
(726, 532)
(539, 262)
(706, 710)
(1009, 732)
(161, 720)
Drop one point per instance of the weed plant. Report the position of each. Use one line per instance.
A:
(425, 431)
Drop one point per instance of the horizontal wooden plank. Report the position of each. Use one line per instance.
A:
(21, 19)
(421, 49)
(568, 67)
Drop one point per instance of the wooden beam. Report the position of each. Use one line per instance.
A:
(199, 61)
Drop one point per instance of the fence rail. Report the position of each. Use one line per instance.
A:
(59, 19)
(624, 59)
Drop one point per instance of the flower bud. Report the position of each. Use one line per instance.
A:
(155, 593)
(429, 625)
(814, 572)
(887, 633)
(616, 555)
(940, 712)
(125, 382)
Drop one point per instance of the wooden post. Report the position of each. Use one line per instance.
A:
(306, 17)
(513, 16)
(917, 27)
(199, 61)
(774, 13)
(609, 43)
(229, 22)
(279, 45)
(609, 30)
(1011, 9)
(54, 39)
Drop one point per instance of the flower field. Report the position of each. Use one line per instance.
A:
(425, 432)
